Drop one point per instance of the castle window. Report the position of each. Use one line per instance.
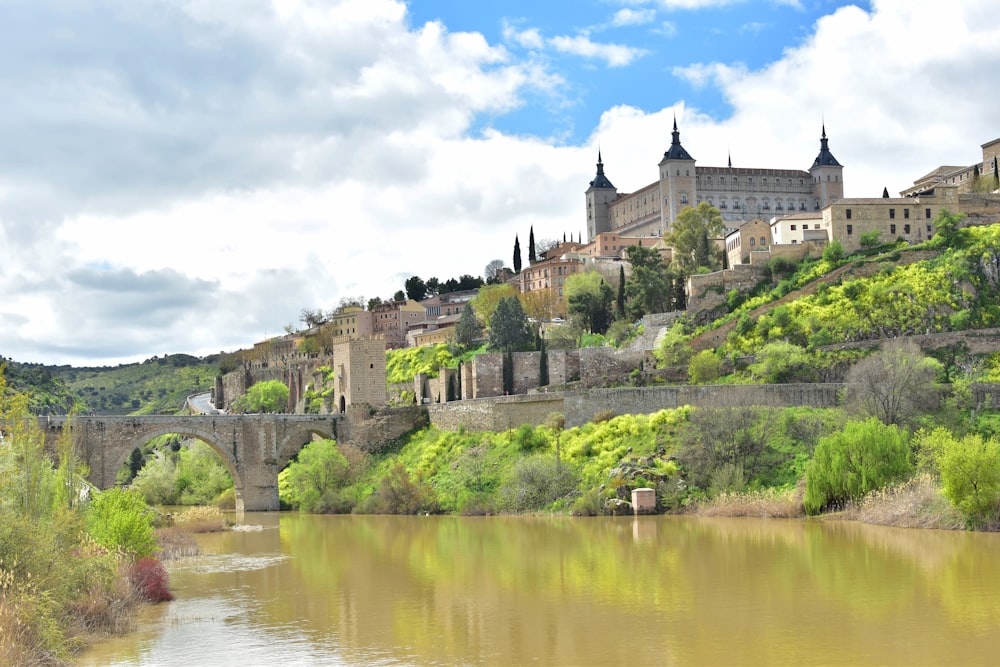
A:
(684, 197)
(927, 213)
(892, 229)
(708, 180)
(906, 229)
(802, 206)
(892, 213)
(847, 213)
(906, 213)
(850, 229)
(764, 180)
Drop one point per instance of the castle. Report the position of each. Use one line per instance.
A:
(740, 193)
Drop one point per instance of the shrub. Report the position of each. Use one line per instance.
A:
(833, 252)
(589, 504)
(266, 396)
(398, 493)
(149, 578)
(120, 519)
(527, 438)
(970, 472)
(705, 367)
(534, 483)
(864, 456)
(603, 416)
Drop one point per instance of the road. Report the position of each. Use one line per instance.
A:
(202, 404)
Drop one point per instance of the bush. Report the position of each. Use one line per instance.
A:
(833, 252)
(267, 396)
(149, 578)
(705, 367)
(120, 519)
(398, 493)
(528, 439)
(534, 483)
(846, 466)
(603, 416)
(970, 472)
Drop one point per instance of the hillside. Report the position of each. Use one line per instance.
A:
(156, 386)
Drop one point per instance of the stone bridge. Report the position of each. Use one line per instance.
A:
(253, 447)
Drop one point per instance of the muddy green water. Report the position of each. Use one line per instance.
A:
(348, 590)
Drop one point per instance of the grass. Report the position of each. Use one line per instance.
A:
(916, 503)
(763, 503)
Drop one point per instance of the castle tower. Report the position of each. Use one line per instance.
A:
(600, 193)
(827, 175)
(677, 180)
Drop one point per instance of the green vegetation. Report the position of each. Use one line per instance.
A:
(175, 474)
(62, 559)
(267, 396)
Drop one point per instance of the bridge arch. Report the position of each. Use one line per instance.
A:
(254, 448)
(209, 438)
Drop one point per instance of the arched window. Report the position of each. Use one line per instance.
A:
(751, 240)
(763, 240)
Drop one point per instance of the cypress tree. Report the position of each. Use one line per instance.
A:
(620, 304)
(517, 254)
(531, 245)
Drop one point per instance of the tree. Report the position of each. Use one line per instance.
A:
(780, 361)
(531, 245)
(374, 303)
(588, 299)
(267, 396)
(400, 295)
(893, 385)
(693, 235)
(834, 251)
(509, 330)
(846, 466)
(488, 298)
(312, 318)
(468, 330)
(517, 255)
(121, 519)
(620, 300)
(493, 271)
(433, 286)
(651, 289)
(416, 289)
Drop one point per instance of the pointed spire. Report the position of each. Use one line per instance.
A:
(601, 181)
(825, 157)
(885, 192)
(676, 151)
(730, 159)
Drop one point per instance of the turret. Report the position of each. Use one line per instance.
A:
(599, 195)
(827, 175)
(677, 180)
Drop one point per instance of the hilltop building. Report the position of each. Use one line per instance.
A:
(740, 193)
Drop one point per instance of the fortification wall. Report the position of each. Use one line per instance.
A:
(496, 414)
(581, 407)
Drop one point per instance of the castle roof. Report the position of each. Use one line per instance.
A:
(825, 157)
(676, 151)
(601, 181)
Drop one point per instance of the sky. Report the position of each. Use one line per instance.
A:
(186, 176)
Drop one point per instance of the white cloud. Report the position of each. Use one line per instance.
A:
(626, 16)
(615, 55)
(188, 177)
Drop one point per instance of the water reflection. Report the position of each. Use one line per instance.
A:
(558, 591)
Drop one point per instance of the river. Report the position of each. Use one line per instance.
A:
(370, 590)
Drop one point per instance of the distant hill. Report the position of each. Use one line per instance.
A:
(156, 386)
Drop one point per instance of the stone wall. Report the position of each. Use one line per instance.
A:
(487, 375)
(709, 290)
(581, 407)
(377, 430)
(981, 209)
(495, 414)
(505, 412)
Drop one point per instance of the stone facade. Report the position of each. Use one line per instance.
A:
(359, 367)
(751, 235)
(709, 290)
(739, 193)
